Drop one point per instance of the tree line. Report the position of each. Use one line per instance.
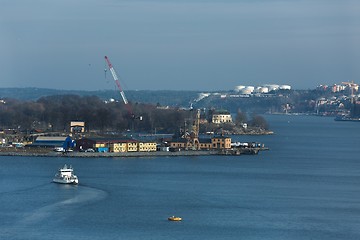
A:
(54, 113)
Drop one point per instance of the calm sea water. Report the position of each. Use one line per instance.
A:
(306, 187)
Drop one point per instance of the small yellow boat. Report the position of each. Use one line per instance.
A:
(173, 218)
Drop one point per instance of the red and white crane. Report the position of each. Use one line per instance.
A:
(126, 102)
(116, 79)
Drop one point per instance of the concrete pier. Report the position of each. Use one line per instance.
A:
(50, 153)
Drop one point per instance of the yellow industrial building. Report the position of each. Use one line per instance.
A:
(115, 145)
(215, 143)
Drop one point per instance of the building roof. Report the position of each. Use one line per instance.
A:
(220, 137)
(221, 111)
(53, 139)
(201, 140)
(109, 140)
(181, 140)
(205, 140)
(44, 141)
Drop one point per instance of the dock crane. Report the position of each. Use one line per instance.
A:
(116, 79)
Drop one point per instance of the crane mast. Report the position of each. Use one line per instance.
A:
(116, 79)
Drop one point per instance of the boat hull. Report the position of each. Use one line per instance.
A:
(64, 181)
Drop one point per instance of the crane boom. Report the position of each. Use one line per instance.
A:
(116, 79)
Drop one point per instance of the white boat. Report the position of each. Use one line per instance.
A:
(66, 175)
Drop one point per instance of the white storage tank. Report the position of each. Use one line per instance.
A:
(272, 87)
(247, 90)
(263, 90)
(285, 87)
(252, 88)
(239, 88)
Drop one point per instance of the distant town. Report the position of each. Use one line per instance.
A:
(325, 100)
(198, 121)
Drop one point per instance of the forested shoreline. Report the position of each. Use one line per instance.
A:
(54, 113)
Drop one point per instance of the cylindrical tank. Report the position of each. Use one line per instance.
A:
(252, 88)
(239, 88)
(263, 90)
(285, 87)
(272, 87)
(247, 90)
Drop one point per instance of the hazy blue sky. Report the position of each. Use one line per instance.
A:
(185, 45)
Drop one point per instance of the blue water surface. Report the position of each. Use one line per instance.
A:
(307, 186)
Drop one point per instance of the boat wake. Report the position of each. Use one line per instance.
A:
(83, 194)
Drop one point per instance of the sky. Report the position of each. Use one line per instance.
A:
(201, 45)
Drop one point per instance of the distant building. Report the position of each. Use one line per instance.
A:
(132, 146)
(221, 142)
(118, 147)
(53, 142)
(115, 145)
(322, 87)
(147, 146)
(221, 116)
(77, 126)
(214, 143)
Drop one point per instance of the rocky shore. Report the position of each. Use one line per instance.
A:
(248, 131)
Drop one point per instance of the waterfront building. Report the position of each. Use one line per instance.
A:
(180, 143)
(147, 147)
(77, 126)
(118, 147)
(214, 143)
(132, 146)
(221, 142)
(114, 145)
(53, 142)
(205, 144)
